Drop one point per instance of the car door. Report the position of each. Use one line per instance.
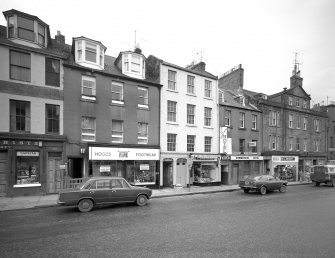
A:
(121, 191)
(273, 183)
(101, 191)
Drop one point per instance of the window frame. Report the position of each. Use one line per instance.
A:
(145, 98)
(20, 66)
(142, 138)
(120, 85)
(55, 119)
(208, 92)
(208, 116)
(190, 84)
(172, 80)
(14, 117)
(171, 111)
(171, 142)
(21, 27)
(254, 122)
(242, 145)
(83, 134)
(290, 121)
(227, 118)
(55, 76)
(242, 120)
(190, 143)
(189, 116)
(119, 134)
(93, 88)
(208, 144)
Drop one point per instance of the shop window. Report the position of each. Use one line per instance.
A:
(19, 116)
(27, 168)
(20, 66)
(52, 119)
(52, 71)
(205, 173)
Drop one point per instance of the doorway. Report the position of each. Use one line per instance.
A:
(56, 176)
(3, 181)
(167, 174)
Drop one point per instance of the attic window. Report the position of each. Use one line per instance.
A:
(133, 65)
(89, 53)
(26, 29)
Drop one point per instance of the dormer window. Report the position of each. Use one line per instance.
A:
(26, 27)
(133, 65)
(89, 53)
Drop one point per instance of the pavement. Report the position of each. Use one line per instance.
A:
(29, 202)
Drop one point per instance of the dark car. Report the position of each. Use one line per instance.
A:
(103, 191)
(262, 184)
(323, 174)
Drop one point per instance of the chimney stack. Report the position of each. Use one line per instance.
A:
(60, 38)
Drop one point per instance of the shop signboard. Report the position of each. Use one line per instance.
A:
(225, 142)
(144, 167)
(105, 169)
(28, 153)
(285, 159)
(247, 157)
(106, 153)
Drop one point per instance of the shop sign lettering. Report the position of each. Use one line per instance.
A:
(18, 143)
(246, 157)
(106, 153)
(284, 159)
(28, 153)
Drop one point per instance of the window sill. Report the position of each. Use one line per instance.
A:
(172, 90)
(139, 106)
(208, 98)
(117, 102)
(191, 95)
(172, 123)
(254, 130)
(191, 125)
(242, 128)
(208, 127)
(27, 185)
(91, 99)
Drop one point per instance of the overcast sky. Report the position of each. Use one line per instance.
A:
(262, 35)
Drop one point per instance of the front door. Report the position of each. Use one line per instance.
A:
(55, 175)
(3, 182)
(235, 174)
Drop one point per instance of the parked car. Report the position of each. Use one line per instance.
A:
(262, 184)
(102, 191)
(323, 174)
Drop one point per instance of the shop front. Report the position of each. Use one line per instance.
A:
(305, 164)
(30, 167)
(137, 166)
(242, 165)
(205, 170)
(285, 167)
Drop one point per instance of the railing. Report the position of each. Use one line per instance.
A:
(74, 182)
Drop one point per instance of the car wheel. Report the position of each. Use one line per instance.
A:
(85, 205)
(333, 182)
(282, 189)
(314, 183)
(246, 190)
(141, 200)
(262, 190)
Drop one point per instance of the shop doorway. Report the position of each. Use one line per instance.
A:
(75, 167)
(235, 175)
(3, 181)
(167, 173)
(56, 176)
(224, 175)
(181, 172)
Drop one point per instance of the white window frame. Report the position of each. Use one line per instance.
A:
(208, 144)
(317, 125)
(142, 139)
(145, 98)
(82, 47)
(297, 102)
(221, 96)
(120, 85)
(171, 112)
(290, 121)
(227, 117)
(170, 144)
(290, 101)
(298, 122)
(297, 146)
(305, 145)
(93, 88)
(189, 115)
(254, 122)
(120, 134)
(304, 104)
(92, 135)
(190, 143)
(305, 123)
(190, 84)
(172, 80)
(208, 89)
(290, 144)
(208, 116)
(242, 120)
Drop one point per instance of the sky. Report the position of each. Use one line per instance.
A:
(262, 35)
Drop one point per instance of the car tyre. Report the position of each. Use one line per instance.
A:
(85, 205)
(314, 183)
(282, 189)
(333, 182)
(246, 190)
(141, 200)
(262, 191)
